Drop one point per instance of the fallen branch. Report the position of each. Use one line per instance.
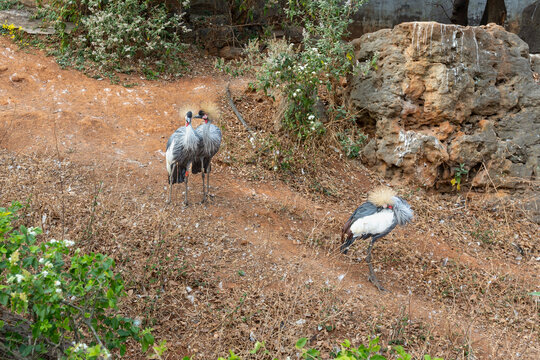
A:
(236, 112)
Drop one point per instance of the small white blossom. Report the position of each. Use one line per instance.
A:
(32, 231)
(41, 260)
(53, 241)
(58, 291)
(48, 264)
(69, 243)
(19, 278)
(57, 283)
(311, 117)
(44, 273)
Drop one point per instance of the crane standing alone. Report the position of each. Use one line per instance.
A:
(211, 141)
(183, 148)
(375, 218)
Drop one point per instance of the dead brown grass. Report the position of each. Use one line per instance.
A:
(261, 261)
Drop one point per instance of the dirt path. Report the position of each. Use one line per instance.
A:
(259, 261)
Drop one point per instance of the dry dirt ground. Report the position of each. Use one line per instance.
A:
(260, 261)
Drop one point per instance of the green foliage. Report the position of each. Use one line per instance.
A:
(458, 173)
(362, 352)
(351, 144)
(324, 59)
(15, 33)
(115, 35)
(70, 297)
(10, 4)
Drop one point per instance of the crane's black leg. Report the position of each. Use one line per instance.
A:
(203, 188)
(186, 195)
(208, 179)
(372, 276)
(170, 190)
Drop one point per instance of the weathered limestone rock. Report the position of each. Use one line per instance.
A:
(445, 95)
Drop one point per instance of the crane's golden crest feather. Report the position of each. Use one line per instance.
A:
(381, 196)
(211, 109)
(183, 110)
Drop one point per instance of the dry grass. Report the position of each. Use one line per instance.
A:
(261, 261)
(210, 279)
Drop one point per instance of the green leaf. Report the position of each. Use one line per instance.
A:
(301, 343)
(257, 347)
(122, 349)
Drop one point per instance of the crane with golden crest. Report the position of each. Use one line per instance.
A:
(375, 218)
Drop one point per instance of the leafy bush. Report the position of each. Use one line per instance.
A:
(324, 59)
(10, 4)
(350, 144)
(113, 34)
(58, 303)
(346, 352)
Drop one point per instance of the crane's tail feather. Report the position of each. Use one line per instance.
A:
(196, 167)
(177, 175)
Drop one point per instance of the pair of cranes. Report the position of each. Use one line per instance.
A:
(376, 218)
(192, 147)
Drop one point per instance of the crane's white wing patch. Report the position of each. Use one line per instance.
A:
(169, 156)
(373, 224)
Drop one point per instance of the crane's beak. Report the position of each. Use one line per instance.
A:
(197, 116)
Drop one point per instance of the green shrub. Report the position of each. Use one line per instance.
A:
(117, 34)
(351, 144)
(323, 60)
(60, 302)
(345, 352)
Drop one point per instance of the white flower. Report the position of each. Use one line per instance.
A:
(44, 273)
(19, 278)
(69, 243)
(58, 291)
(57, 283)
(294, 94)
(32, 231)
(48, 264)
(311, 117)
(41, 260)
(53, 241)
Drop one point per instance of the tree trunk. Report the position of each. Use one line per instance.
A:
(494, 12)
(460, 12)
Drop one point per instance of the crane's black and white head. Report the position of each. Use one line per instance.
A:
(189, 116)
(204, 116)
(385, 198)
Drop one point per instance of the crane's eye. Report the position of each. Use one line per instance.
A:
(390, 206)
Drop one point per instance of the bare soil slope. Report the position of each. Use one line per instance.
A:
(261, 260)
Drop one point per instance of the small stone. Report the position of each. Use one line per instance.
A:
(16, 77)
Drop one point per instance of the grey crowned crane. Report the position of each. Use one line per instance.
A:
(375, 218)
(183, 149)
(211, 141)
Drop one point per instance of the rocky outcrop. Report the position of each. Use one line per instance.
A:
(445, 95)
(530, 23)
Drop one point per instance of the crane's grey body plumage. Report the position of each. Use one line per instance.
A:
(183, 147)
(211, 141)
(375, 221)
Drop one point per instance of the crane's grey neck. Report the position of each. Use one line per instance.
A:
(191, 141)
(402, 211)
